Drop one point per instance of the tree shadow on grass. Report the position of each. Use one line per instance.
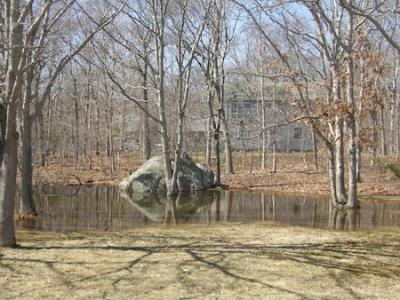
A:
(340, 260)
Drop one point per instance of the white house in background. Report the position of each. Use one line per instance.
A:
(243, 113)
(244, 118)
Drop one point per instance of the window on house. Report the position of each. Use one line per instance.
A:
(234, 108)
(244, 133)
(297, 132)
(243, 110)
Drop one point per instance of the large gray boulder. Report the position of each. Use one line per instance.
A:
(149, 179)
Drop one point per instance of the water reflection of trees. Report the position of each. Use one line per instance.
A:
(103, 208)
(344, 218)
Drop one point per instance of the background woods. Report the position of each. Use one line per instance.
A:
(86, 84)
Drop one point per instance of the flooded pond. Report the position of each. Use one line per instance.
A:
(69, 209)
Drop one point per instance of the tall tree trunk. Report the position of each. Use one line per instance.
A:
(228, 148)
(374, 137)
(76, 125)
(273, 130)
(173, 188)
(42, 140)
(217, 155)
(97, 138)
(315, 149)
(27, 204)
(49, 127)
(392, 126)
(9, 145)
(145, 118)
(332, 174)
(352, 132)
(359, 161)
(339, 160)
(88, 120)
(383, 131)
(263, 123)
(208, 143)
(8, 174)
(339, 139)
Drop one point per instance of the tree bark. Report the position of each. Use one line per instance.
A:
(42, 140)
(332, 177)
(228, 148)
(8, 174)
(145, 117)
(352, 201)
(315, 150)
(27, 204)
(359, 161)
(340, 186)
(208, 143)
(8, 167)
(76, 125)
(383, 131)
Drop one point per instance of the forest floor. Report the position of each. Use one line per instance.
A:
(295, 174)
(235, 261)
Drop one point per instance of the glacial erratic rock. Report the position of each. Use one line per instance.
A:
(149, 179)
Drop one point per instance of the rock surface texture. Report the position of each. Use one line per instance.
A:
(149, 179)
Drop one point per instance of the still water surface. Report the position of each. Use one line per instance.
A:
(68, 209)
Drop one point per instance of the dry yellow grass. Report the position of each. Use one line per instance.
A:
(258, 261)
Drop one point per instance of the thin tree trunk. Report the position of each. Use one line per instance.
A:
(373, 149)
(217, 156)
(340, 186)
(89, 120)
(383, 133)
(359, 161)
(145, 117)
(76, 125)
(263, 127)
(315, 149)
(228, 148)
(208, 143)
(97, 139)
(43, 140)
(273, 130)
